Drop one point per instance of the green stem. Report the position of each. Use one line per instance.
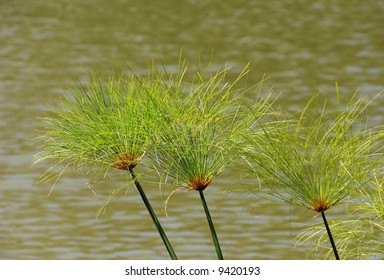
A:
(211, 226)
(330, 237)
(153, 215)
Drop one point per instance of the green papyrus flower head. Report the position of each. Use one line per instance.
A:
(201, 126)
(106, 123)
(317, 158)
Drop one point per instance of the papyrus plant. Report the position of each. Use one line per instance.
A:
(360, 233)
(202, 122)
(106, 124)
(317, 158)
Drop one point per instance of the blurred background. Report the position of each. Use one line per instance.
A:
(48, 46)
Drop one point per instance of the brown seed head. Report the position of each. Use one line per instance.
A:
(125, 161)
(199, 183)
(320, 205)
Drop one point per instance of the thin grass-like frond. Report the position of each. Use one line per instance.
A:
(361, 233)
(318, 159)
(202, 123)
(106, 123)
(201, 129)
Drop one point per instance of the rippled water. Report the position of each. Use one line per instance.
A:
(47, 46)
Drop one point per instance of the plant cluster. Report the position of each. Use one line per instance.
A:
(318, 158)
(191, 129)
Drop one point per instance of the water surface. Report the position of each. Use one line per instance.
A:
(47, 46)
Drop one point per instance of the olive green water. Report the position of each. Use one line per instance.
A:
(47, 46)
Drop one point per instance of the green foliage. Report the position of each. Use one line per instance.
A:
(317, 158)
(360, 233)
(201, 127)
(101, 124)
(192, 128)
(106, 124)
